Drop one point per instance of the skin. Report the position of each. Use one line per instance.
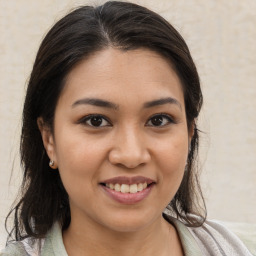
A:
(127, 143)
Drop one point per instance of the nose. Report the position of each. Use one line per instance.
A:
(129, 149)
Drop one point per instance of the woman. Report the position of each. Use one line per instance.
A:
(109, 139)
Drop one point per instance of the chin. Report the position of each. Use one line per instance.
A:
(132, 222)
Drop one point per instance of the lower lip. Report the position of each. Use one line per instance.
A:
(128, 198)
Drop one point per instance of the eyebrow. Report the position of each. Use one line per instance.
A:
(107, 104)
(162, 101)
(96, 102)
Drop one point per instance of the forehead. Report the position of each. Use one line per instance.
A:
(116, 74)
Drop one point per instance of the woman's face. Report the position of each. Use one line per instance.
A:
(120, 124)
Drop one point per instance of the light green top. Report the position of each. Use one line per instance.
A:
(210, 239)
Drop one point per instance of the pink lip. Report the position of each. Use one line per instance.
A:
(128, 180)
(128, 198)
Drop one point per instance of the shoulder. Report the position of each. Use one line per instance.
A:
(212, 238)
(215, 239)
(52, 244)
(245, 231)
(17, 248)
(26, 247)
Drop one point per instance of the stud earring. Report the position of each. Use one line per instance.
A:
(51, 164)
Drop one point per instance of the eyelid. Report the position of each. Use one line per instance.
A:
(170, 119)
(84, 119)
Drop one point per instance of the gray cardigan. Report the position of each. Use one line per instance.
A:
(211, 239)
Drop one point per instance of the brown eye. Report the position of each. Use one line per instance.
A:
(95, 121)
(157, 121)
(160, 120)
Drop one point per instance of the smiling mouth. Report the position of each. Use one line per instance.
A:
(126, 188)
(128, 185)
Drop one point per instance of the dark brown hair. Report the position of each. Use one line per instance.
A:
(86, 30)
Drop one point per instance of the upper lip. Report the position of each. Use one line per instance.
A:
(128, 180)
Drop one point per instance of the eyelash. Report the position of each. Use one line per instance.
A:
(85, 119)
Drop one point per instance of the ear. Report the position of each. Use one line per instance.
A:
(191, 131)
(48, 141)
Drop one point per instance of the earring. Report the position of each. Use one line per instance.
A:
(51, 164)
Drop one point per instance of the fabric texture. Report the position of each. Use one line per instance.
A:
(211, 239)
(245, 231)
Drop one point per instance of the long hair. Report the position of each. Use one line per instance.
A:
(86, 30)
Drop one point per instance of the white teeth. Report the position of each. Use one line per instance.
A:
(133, 188)
(140, 187)
(117, 187)
(125, 188)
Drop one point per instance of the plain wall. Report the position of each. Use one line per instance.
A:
(221, 36)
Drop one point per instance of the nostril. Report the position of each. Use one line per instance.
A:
(130, 158)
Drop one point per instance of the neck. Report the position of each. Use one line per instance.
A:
(159, 238)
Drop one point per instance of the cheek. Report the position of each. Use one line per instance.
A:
(172, 152)
(172, 161)
(75, 151)
(79, 163)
